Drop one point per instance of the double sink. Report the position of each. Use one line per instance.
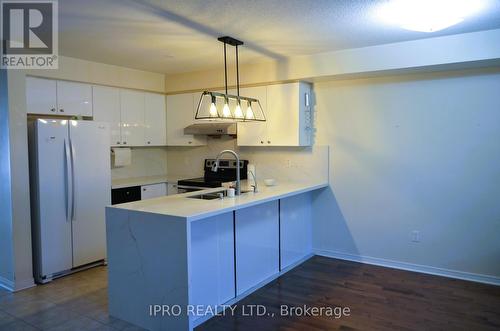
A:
(217, 195)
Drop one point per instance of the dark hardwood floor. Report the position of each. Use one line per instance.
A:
(378, 299)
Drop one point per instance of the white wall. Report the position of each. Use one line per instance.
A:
(413, 153)
(6, 253)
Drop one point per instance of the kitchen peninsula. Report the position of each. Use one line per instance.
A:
(189, 255)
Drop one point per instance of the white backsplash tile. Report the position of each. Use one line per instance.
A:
(146, 161)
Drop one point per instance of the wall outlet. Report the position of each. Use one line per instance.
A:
(415, 236)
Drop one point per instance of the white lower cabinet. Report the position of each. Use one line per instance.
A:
(295, 229)
(172, 188)
(211, 261)
(153, 191)
(257, 244)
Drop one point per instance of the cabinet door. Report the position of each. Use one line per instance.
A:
(211, 261)
(253, 133)
(295, 229)
(180, 113)
(155, 120)
(106, 102)
(132, 117)
(257, 245)
(153, 191)
(282, 114)
(74, 99)
(172, 188)
(41, 96)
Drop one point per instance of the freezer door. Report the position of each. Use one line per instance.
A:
(92, 189)
(53, 191)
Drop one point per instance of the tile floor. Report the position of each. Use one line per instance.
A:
(76, 302)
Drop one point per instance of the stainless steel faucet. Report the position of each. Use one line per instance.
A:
(215, 166)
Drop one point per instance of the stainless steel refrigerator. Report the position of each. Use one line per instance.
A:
(70, 177)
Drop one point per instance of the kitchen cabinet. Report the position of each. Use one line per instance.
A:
(211, 261)
(253, 133)
(172, 188)
(153, 191)
(74, 98)
(288, 111)
(295, 229)
(180, 113)
(41, 97)
(132, 117)
(107, 109)
(52, 97)
(155, 120)
(257, 244)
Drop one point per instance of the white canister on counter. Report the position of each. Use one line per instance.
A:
(250, 178)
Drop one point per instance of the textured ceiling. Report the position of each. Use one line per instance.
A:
(180, 36)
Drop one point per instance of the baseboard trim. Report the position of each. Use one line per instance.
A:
(473, 277)
(17, 286)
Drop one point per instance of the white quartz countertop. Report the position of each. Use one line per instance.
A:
(180, 205)
(147, 180)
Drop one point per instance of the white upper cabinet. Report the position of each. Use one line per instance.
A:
(51, 97)
(41, 97)
(74, 99)
(253, 133)
(107, 109)
(132, 117)
(181, 110)
(155, 120)
(287, 108)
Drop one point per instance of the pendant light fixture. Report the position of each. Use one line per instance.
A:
(224, 106)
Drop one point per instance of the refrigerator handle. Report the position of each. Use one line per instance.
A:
(69, 181)
(73, 203)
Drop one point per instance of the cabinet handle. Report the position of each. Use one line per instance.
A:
(144, 189)
(118, 143)
(261, 141)
(53, 110)
(268, 141)
(190, 142)
(149, 142)
(124, 142)
(61, 110)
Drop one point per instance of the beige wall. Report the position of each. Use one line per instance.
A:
(417, 152)
(449, 52)
(103, 74)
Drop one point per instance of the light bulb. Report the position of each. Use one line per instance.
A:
(238, 113)
(213, 110)
(249, 114)
(225, 111)
(428, 15)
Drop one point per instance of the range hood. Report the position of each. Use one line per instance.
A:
(211, 129)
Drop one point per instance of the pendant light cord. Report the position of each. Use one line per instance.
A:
(237, 74)
(225, 66)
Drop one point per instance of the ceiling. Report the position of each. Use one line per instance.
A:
(180, 35)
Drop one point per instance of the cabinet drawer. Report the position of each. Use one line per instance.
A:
(153, 191)
(126, 194)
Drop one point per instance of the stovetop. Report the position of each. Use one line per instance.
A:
(199, 182)
(226, 173)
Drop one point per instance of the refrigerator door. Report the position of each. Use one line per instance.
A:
(92, 189)
(53, 192)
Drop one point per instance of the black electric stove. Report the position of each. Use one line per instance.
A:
(226, 173)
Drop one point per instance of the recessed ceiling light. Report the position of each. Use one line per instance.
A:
(428, 15)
